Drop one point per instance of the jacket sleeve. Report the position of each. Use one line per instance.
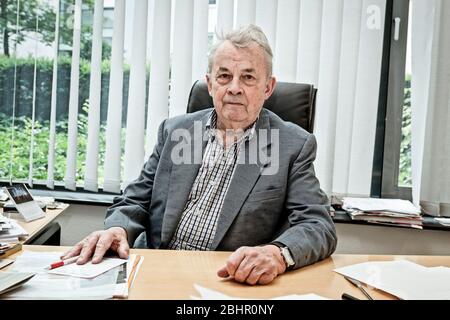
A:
(310, 233)
(130, 210)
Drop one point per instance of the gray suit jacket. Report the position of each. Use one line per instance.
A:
(287, 207)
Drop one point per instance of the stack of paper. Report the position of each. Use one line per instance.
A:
(9, 248)
(3, 195)
(396, 212)
(110, 278)
(208, 294)
(10, 230)
(403, 279)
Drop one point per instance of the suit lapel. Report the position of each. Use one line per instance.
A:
(244, 178)
(182, 178)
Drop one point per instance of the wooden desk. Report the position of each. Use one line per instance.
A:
(35, 227)
(167, 274)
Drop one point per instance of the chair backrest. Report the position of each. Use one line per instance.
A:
(294, 102)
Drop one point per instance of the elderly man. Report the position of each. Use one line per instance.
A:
(272, 214)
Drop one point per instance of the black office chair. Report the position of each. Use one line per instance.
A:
(294, 102)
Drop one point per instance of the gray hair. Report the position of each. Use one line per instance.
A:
(243, 38)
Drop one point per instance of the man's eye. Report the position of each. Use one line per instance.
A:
(224, 76)
(249, 77)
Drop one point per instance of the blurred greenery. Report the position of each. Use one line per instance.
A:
(45, 13)
(22, 142)
(404, 176)
(23, 94)
(24, 86)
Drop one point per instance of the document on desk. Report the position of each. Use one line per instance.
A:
(88, 270)
(12, 280)
(51, 286)
(209, 294)
(13, 231)
(5, 262)
(402, 278)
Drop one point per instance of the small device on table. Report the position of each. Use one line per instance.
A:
(24, 202)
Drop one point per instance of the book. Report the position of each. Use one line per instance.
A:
(8, 249)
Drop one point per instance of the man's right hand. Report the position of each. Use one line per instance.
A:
(97, 243)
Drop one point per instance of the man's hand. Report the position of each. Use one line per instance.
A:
(254, 265)
(97, 243)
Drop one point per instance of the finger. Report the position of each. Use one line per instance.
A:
(74, 251)
(267, 278)
(88, 248)
(234, 260)
(124, 249)
(245, 268)
(255, 275)
(223, 272)
(103, 244)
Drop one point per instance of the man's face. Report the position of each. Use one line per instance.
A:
(239, 85)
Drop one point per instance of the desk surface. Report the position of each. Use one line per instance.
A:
(167, 274)
(34, 227)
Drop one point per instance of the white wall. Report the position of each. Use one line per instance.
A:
(366, 239)
(80, 220)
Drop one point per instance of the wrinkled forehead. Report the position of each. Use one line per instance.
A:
(229, 56)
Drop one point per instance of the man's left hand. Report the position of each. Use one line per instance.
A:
(254, 265)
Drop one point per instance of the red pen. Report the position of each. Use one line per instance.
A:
(62, 263)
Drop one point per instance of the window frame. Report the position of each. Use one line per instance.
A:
(389, 119)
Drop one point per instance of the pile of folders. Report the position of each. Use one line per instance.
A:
(396, 212)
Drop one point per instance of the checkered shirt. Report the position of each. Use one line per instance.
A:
(198, 223)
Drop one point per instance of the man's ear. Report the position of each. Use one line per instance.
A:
(208, 82)
(270, 87)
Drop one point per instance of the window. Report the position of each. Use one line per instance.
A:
(392, 160)
(323, 38)
(26, 67)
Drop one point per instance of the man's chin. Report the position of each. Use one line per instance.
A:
(236, 117)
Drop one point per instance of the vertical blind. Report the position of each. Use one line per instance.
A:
(71, 166)
(113, 150)
(91, 173)
(134, 140)
(334, 45)
(52, 129)
(430, 104)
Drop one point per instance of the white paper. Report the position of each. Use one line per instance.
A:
(443, 221)
(376, 204)
(209, 294)
(15, 231)
(5, 262)
(4, 226)
(88, 270)
(3, 195)
(12, 280)
(402, 278)
(48, 286)
(9, 239)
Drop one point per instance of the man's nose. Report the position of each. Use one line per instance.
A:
(235, 87)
